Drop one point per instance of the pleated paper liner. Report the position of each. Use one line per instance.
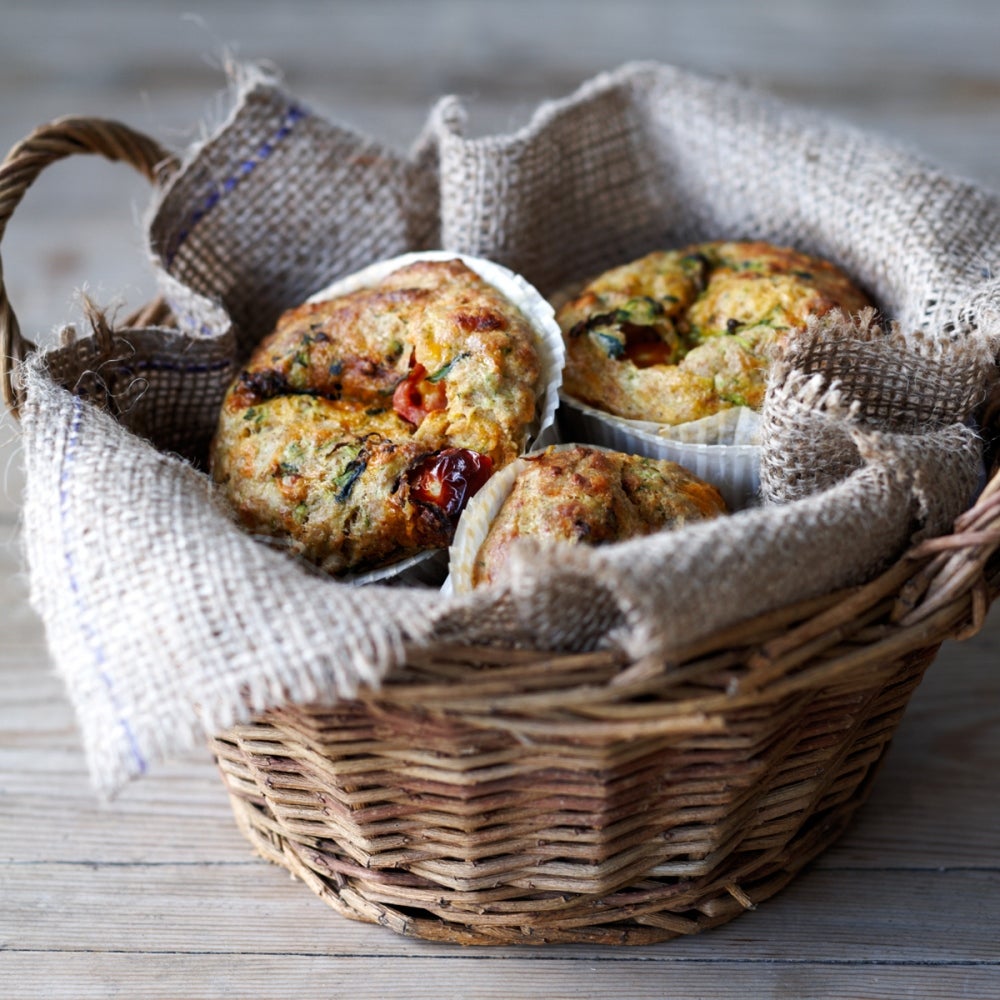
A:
(720, 449)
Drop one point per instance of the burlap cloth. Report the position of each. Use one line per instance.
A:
(167, 622)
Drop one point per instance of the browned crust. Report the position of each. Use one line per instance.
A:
(319, 436)
(682, 334)
(584, 495)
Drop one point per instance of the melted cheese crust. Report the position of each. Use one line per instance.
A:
(592, 496)
(682, 334)
(313, 445)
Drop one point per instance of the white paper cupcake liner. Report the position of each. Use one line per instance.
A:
(475, 522)
(717, 450)
(425, 569)
(429, 568)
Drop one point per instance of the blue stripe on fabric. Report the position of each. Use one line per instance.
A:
(83, 615)
(293, 114)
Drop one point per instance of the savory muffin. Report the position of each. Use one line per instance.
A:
(682, 334)
(591, 496)
(363, 423)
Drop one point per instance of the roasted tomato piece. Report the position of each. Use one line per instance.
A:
(416, 396)
(645, 347)
(449, 478)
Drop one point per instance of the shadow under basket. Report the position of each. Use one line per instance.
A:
(490, 796)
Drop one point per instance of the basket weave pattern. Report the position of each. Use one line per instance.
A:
(569, 815)
(487, 796)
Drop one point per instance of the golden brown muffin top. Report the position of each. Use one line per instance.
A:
(360, 426)
(679, 335)
(592, 496)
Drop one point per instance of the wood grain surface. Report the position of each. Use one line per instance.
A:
(157, 894)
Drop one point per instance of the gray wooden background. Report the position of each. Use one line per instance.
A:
(156, 895)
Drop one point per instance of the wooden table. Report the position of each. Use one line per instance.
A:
(156, 894)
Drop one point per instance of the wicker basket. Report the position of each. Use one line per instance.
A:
(489, 796)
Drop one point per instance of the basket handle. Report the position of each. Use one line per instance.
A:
(48, 143)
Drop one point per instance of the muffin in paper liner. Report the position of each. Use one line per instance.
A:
(480, 513)
(722, 448)
(674, 347)
(429, 568)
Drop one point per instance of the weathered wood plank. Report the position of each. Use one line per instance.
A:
(475, 976)
(22, 635)
(829, 916)
(936, 800)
